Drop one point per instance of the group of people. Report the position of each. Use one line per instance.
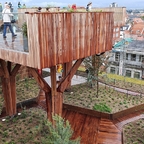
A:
(74, 7)
(21, 6)
(7, 14)
(10, 4)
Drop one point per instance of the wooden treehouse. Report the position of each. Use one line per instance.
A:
(55, 38)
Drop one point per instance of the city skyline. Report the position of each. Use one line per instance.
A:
(133, 4)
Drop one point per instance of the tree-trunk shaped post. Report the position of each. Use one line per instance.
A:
(57, 99)
(9, 86)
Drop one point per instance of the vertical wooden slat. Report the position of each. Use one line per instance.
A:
(59, 38)
(50, 52)
(70, 39)
(42, 31)
(77, 46)
(46, 39)
(55, 39)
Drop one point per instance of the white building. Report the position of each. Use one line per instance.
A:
(127, 59)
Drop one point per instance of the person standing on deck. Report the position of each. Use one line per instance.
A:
(6, 13)
(89, 6)
(19, 5)
(39, 9)
(11, 6)
(24, 6)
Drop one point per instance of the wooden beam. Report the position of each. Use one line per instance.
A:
(15, 69)
(1, 72)
(43, 84)
(49, 105)
(9, 65)
(4, 67)
(66, 69)
(65, 81)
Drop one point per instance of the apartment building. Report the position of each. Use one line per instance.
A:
(128, 59)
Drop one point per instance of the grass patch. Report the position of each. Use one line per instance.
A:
(102, 107)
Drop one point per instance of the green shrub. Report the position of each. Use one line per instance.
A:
(102, 107)
(61, 133)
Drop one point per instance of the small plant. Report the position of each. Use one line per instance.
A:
(59, 133)
(102, 107)
(24, 29)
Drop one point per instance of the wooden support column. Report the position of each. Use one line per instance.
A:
(13, 86)
(6, 86)
(9, 86)
(55, 99)
(13, 94)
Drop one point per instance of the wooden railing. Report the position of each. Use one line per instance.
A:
(64, 37)
(60, 37)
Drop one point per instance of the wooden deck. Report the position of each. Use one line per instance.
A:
(12, 44)
(93, 130)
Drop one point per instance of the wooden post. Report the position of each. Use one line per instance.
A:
(6, 86)
(54, 99)
(9, 86)
(13, 93)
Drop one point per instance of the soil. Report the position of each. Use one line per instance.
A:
(31, 122)
(133, 133)
(84, 96)
(28, 127)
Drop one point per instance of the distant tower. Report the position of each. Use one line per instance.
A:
(113, 4)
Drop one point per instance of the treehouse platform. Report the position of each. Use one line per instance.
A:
(53, 38)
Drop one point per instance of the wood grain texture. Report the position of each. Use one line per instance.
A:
(60, 37)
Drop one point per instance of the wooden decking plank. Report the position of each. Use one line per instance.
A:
(93, 131)
(64, 113)
(85, 130)
(108, 126)
(108, 138)
(78, 124)
(69, 116)
(108, 133)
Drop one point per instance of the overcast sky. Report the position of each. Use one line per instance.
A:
(96, 3)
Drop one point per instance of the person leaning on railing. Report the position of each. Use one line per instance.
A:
(6, 13)
(89, 6)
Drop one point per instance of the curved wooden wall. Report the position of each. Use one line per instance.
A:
(62, 37)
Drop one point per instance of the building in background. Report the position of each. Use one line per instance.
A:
(127, 58)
